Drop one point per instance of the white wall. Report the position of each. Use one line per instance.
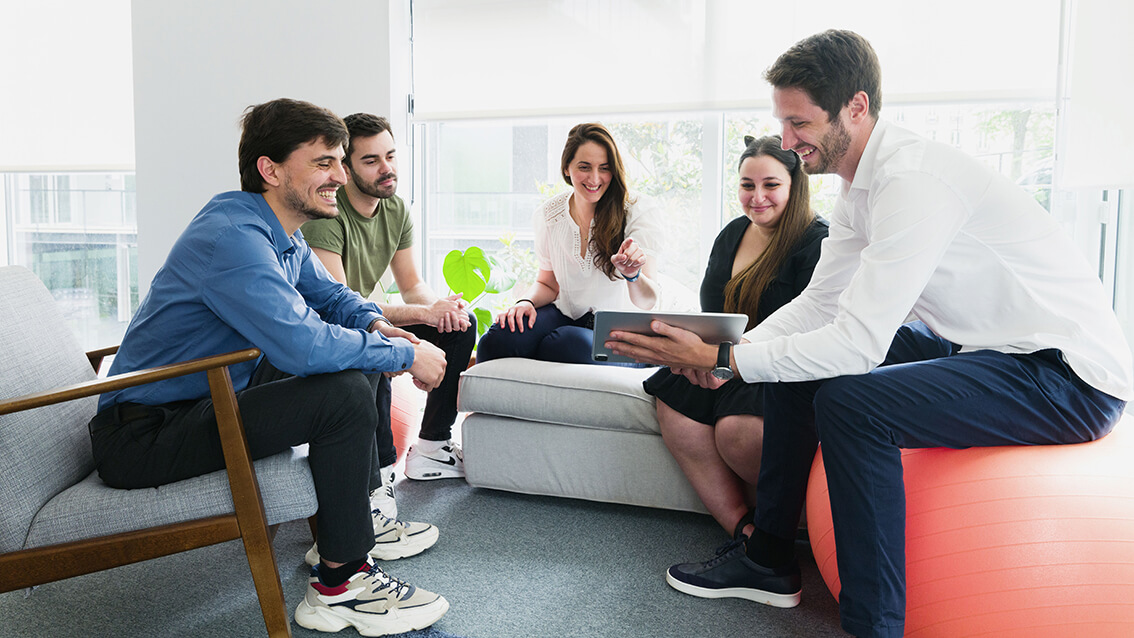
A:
(198, 65)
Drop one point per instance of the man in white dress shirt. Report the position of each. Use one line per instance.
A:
(1016, 343)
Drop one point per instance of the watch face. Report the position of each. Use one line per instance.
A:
(722, 373)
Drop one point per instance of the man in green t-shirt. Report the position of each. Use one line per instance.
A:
(373, 232)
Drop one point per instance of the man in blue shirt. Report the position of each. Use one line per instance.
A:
(242, 276)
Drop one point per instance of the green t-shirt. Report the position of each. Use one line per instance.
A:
(366, 244)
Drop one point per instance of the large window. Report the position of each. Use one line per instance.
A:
(77, 233)
(483, 179)
(679, 84)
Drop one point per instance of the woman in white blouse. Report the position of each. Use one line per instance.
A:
(595, 245)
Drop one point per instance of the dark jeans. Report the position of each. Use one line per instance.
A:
(924, 395)
(441, 405)
(554, 337)
(137, 446)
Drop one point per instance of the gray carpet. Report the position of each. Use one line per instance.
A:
(511, 566)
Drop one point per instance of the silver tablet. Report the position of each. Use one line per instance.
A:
(713, 327)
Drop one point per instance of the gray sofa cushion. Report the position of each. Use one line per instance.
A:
(90, 508)
(589, 396)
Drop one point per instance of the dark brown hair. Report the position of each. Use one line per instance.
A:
(364, 125)
(275, 129)
(830, 67)
(610, 212)
(742, 292)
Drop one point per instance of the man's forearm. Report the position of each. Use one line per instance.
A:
(404, 314)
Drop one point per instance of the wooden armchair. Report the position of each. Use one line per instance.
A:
(59, 520)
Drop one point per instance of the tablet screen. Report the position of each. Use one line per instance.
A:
(713, 327)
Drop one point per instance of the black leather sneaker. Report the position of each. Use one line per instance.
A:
(731, 574)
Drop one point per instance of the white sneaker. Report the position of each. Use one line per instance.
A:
(393, 539)
(382, 499)
(448, 462)
(372, 601)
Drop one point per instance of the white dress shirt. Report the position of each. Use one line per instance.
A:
(929, 232)
(583, 287)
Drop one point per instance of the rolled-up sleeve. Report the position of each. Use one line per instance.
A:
(313, 327)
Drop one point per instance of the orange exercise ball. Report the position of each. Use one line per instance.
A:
(406, 406)
(1034, 541)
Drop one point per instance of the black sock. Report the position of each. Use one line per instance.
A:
(770, 551)
(335, 576)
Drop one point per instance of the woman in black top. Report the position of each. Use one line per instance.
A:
(759, 262)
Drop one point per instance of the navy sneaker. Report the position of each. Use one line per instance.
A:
(731, 574)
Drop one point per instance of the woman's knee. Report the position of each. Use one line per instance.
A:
(567, 344)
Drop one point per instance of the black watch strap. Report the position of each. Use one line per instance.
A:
(724, 358)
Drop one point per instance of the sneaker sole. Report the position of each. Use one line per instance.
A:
(433, 474)
(406, 546)
(784, 601)
(394, 621)
(390, 551)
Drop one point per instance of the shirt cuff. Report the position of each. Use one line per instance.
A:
(403, 354)
(752, 362)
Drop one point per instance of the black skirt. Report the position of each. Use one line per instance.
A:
(702, 404)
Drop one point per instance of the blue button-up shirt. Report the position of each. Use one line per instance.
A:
(235, 280)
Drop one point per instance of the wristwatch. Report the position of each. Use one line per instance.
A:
(724, 365)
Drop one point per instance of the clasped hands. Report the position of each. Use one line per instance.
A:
(448, 314)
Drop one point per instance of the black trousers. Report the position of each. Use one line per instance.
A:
(138, 446)
(441, 406)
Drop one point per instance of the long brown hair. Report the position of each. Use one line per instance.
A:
(610, 211)
(742, 292)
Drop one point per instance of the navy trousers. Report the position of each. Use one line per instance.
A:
(926, 394)
(554, 337)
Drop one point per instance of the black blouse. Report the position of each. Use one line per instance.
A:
(792, 277)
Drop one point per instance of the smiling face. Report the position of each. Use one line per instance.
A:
(309, 179)
(765, 186)
(373, 165)
(589, 172)
(807, 130)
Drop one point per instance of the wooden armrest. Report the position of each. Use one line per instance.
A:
(96, 356)
(127, 380)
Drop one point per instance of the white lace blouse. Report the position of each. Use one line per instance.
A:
(582, 286)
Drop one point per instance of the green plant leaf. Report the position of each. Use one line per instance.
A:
(483, 320)
(502, 278)
(467, 273)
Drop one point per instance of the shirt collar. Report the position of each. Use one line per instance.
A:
(284, 244)
(864, 172)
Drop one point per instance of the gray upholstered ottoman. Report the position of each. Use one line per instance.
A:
(580, 431)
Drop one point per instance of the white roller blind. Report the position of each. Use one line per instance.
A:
(67, 100)
(1098, 118)
(483, 58)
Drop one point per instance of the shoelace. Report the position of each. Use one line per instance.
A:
(395, 521)
(395, 585)
(725, 550)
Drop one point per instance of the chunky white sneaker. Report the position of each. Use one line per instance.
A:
(372, 601)
(448, 462)
(393, 539)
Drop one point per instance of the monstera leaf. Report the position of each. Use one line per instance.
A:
(501, 280)
(467, 272)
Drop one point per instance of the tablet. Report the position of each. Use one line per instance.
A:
(713, 327)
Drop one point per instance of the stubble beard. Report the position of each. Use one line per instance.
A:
(832, 148)
(374, 190)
